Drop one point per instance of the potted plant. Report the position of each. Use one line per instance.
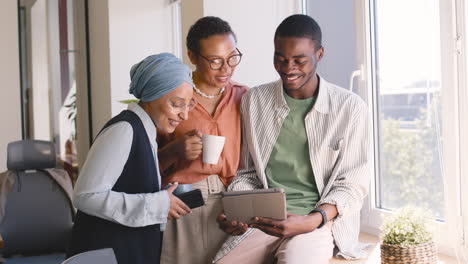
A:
(407, 238)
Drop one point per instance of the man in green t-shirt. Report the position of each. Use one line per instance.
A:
(309, 137)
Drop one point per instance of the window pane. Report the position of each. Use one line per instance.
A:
(48, 76)
(407, 72)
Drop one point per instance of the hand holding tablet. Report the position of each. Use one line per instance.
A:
(243, 206)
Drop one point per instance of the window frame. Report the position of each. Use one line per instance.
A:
(454, 114)
(461, 14)
(177, 26)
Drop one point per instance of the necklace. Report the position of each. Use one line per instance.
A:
(207, 95)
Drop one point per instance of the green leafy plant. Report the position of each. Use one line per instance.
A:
(408, 226)
(71, 114)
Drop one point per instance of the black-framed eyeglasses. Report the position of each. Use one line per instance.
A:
(218, 63)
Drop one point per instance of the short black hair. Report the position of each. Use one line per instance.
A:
(206, 27)
(300, 26)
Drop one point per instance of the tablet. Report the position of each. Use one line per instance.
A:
(245, 205)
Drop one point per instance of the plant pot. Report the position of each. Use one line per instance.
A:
(70, 147)
(413, 254)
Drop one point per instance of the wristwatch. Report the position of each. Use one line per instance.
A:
(324, 216)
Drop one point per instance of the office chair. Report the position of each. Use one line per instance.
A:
(38, 215)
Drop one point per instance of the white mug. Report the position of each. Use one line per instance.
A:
(212, 148)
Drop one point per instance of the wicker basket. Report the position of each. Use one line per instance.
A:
(421, 254)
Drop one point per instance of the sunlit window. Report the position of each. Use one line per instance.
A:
(407, 87)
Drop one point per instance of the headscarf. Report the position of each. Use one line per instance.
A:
(158, 75)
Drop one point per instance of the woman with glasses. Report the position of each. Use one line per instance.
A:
(118, 194)
(212, 48)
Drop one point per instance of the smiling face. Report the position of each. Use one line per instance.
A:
(212, 48)
(168, 111)
(296, 61)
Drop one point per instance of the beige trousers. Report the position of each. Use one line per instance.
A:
(196, 238)
(259, 248)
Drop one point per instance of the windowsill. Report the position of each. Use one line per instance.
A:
(374, 253)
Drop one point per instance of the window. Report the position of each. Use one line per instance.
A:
(411, 59)
(53, 77)
(407, 84)
(413, 77)
(463, 106)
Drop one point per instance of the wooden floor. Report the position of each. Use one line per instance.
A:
(374, 253)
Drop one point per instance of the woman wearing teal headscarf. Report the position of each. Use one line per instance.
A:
(118, 194)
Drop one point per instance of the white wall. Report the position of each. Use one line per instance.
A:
(254, 23)
(121, 34)
(10, 109)
(40, 72)
(336, 19)
(137, 29)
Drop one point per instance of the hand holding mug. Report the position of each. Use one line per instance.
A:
(190, 145)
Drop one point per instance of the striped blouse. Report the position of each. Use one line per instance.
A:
(337, 132)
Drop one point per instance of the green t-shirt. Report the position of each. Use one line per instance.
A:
(289, 164)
